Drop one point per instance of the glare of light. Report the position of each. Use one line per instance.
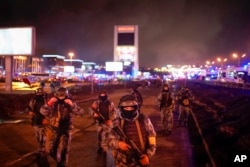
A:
(71, 54)
(235, 55)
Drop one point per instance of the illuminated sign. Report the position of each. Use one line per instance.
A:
(113, 66)
(126, 29)
(54, 56)
(69, 69)
(126, 53)
(17, 41)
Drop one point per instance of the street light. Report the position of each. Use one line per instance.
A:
(71, 54)
(238, 57)
(221, 61)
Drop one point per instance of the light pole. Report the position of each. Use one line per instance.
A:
(224, 60)
(219, 60)
(235, 55)
(71, 54)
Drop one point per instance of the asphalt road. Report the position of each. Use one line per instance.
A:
(18, 145)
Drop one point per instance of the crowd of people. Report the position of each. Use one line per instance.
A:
(122, 129)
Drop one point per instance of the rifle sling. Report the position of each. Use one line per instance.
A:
(140, 135)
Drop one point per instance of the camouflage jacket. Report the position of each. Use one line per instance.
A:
(120, 156)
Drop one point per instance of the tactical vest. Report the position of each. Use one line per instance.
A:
(130, 129)
(166, 100)
(103, 107)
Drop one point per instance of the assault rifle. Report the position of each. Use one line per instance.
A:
(134, 153)
(102, 118)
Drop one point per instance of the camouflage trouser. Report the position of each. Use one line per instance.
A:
(102, 132)
(40, 137)
(184, 112)
(167, 118)
(57, 145)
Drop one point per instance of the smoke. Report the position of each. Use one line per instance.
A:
(170, 32)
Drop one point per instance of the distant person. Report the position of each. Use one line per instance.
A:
(132, 138)
(104, 112)
(59, 113)
(159, 82)
(185, 98)
(52, 87)
(166, 104)
(138, 96)
(42, 84)
(37, 119)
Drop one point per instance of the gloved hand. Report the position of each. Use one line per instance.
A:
(108, 122)
(95, 115)
(31, 114)
(45, 121)
(123, 146)
(144, 160)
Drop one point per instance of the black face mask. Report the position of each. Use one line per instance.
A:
(129, 114)
(103, 98)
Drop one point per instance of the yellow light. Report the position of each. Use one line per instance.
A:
(126, 29)
(235, 55)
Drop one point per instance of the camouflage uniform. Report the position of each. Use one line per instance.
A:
(60, 126)
(103, 112)
(140, 130)
(185, 99)
(37, 118)
(166, 104)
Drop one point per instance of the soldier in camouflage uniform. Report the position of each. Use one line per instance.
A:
(138, 129)
(185, 100)
(37, 118)
(104, 112)
(138, 96)
(59, 112)
(166, 104)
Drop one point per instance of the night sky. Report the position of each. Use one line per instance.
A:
(170, 31)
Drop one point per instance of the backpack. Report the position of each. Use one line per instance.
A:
(61, 114)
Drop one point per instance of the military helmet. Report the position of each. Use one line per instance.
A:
(128, 106)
